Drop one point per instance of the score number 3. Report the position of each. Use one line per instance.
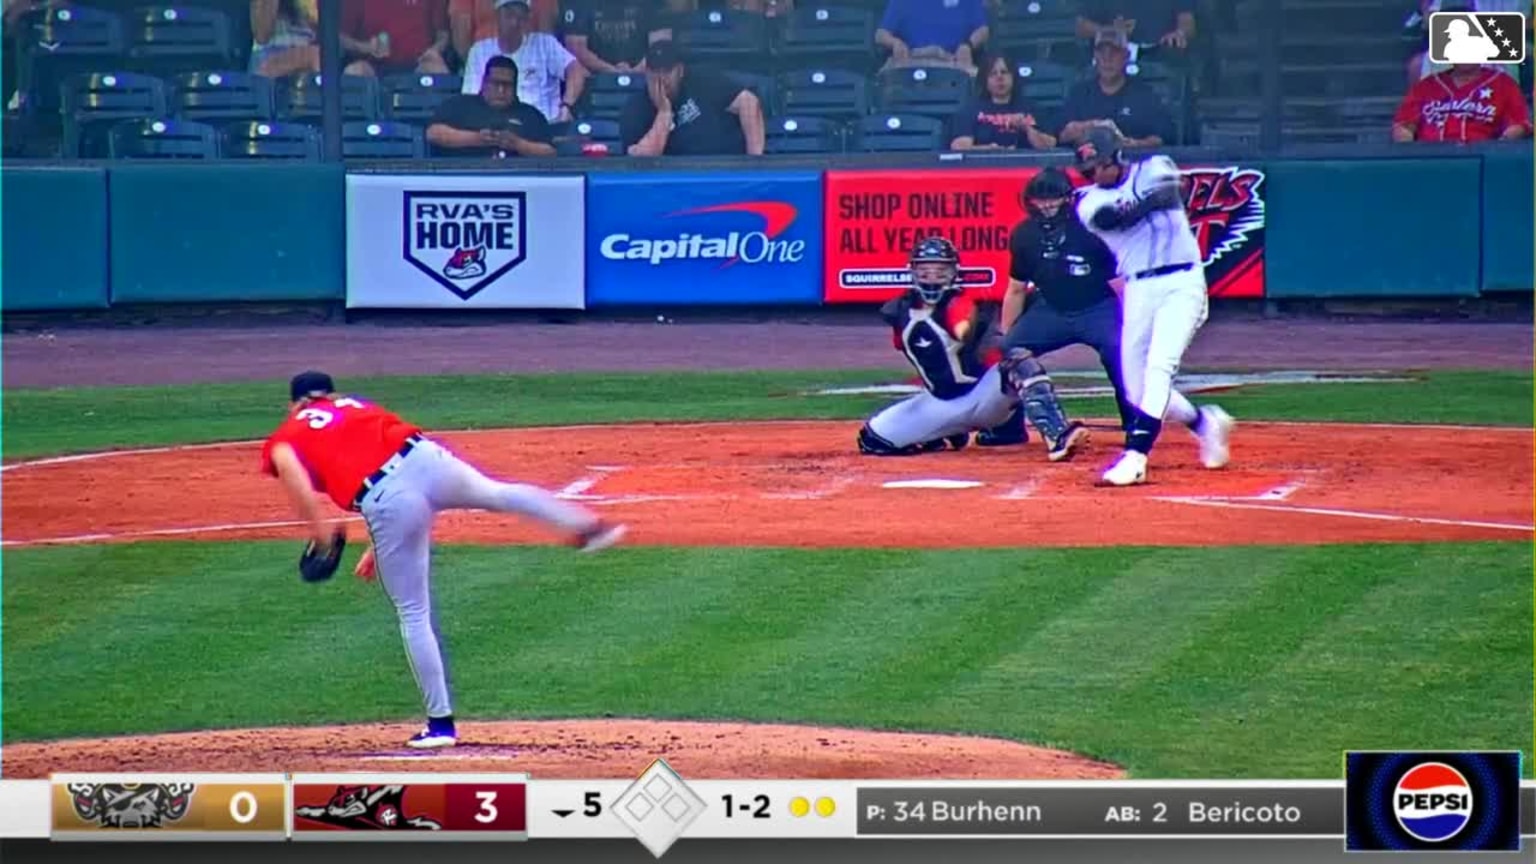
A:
(488, 812)
(319, 418)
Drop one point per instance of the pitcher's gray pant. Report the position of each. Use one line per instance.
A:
(400, 511)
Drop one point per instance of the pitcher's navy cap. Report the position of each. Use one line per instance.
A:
(306, 383)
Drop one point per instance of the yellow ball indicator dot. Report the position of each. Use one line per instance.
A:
(825, 807)
(799, 806)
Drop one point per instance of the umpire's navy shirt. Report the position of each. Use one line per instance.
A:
(1073, 275)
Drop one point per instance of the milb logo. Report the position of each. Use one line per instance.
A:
(1432, 801)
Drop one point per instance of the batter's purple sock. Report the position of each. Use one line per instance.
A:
(1198, 423)
(1143, 432)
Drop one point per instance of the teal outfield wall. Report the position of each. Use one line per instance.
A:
(75, 238)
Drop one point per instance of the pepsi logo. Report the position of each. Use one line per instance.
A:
(1432, 802)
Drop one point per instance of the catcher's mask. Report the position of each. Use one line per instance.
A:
(1100, 149)
(935, 269)
(1048, 199)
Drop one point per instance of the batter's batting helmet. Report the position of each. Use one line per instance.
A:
(935, 250)
(1098, 149)
(1046, 197)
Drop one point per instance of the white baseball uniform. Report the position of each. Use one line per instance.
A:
(1164, 298)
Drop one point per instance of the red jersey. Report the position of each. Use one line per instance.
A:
(412, 25)
(1479, 110)
(341, 442)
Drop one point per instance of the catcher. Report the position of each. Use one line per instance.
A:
(943, 336)
(368, 460)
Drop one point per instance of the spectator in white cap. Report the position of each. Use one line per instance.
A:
(550, 78)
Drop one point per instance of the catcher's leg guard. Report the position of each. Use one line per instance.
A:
(1041, 406)
(1010, 431)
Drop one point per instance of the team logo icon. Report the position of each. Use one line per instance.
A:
(1432, 802)
(1226, 211)
(466, 264)
(131, 805)
(465, 241)
(368, 808)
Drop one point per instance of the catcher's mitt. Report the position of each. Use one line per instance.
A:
(315, 566)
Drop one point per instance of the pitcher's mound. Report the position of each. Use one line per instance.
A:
(569, 750)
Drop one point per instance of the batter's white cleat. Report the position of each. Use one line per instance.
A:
(600, 537)
(1215, 434)
(1129, 471)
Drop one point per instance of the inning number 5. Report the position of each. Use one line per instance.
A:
(319, 418)
(488, 811)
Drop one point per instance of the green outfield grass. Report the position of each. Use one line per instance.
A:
(1225, 662)
(44, 422)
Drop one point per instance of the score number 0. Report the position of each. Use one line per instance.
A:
(243, 807)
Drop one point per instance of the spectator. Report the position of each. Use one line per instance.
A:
(543, 62)
(283, 37)
(1131, 108)
(391, 37)
(998, 117)
(1168, 24)
(11, 18)
(933, 32)
(1467, 103)
(690, 112)
(609, 37)
(469, 21)
(491, 124)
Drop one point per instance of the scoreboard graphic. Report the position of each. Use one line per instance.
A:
(425, 806)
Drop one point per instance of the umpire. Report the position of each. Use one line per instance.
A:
(1059, 280)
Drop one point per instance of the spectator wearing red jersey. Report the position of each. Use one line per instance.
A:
(1465, 104)
(395, 36)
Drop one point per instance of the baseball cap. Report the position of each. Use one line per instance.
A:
(1111, 36)
(663, 54)
(522, 3)
(305, 383)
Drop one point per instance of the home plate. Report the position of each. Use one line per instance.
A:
(932, 484)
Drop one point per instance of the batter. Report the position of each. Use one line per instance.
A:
(1137, 210)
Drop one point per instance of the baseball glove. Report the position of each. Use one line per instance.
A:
(317, 566)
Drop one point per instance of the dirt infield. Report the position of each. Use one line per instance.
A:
(571, 750)
(800, 484)
(795, 484)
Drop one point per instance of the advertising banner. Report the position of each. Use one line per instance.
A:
(486, 241)
(659, 238)
(874, 218)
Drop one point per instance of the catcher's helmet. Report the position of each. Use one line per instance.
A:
(1098, 149)
(1047, 198)
(933, 282)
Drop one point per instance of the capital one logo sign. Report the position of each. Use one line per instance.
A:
(762, 245)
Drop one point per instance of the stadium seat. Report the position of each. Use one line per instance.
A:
(599, 131)
(763, 85)
(734, 40)
(164, 139)
(1026, 30)
(382, 140)
(804, 134)
(931, 91)
(92, 103)
(897, 133)
(608, 93)
(1044, 82)
(222, 96)
(165, 40)
(824, 93)
(65, 42)
(415, 98)
(837, 36)
(260, 139)
(302, 98)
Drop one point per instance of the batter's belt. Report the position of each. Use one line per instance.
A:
(385, 470)
(1162, 271)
